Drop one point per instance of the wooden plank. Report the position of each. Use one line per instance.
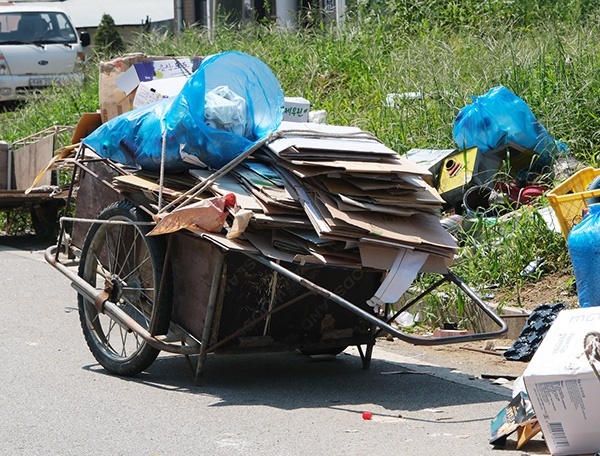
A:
(4, 151)
(32, 158)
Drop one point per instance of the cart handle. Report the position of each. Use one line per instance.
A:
(449, 276)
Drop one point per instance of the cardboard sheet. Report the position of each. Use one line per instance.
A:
(382, 257)
(402, 166)
(227, 184)
(401, 275)
(422, 230)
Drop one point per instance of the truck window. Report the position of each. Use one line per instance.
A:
(44, 28)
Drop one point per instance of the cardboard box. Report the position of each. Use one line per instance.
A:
(563, 382)
(117, 95)
(87, 123)
(158, 89)
(457, 171)
(296, 109)
(153, 70)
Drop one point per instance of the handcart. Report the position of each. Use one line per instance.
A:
(20, 163)
(200, 293)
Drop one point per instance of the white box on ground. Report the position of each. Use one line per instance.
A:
(563, 383)
(296, 109)
(151, 91)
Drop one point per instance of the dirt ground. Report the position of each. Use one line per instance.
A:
(484, 358)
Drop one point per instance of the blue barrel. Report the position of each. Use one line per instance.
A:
(584, 248)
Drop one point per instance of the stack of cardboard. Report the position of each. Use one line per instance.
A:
(354, 188)
(335, 195)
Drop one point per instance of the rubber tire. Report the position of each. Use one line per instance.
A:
(157, 322)
(594, 185)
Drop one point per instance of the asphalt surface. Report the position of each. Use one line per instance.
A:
(56, 400)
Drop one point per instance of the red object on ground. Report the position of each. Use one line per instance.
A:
(367, 415)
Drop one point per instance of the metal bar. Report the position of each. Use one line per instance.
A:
(200, 187)
(210, 313)
(100, 300)
(216, 324)
(271, 301)
(107, 222)
(413, 301)
(256, 321)
(61, 234)
(371, 318)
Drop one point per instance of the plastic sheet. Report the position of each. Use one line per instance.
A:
(136, 137)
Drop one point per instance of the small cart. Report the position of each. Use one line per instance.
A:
(23, 189)
(195, 293)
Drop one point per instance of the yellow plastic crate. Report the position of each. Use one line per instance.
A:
(569, 198)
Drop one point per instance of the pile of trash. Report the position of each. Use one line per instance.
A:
(504, 159)
(298, 192)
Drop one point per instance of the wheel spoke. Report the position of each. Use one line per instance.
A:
(127, 252)
(121, 260)
(123, 333)
(118, 248)
(137, 268)
(138, 310)
(107, 248)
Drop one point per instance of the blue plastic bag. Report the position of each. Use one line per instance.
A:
(192, 139)
(500, 117)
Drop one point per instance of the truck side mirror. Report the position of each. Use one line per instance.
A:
(85, 39)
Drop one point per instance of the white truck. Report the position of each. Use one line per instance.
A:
(39, 46)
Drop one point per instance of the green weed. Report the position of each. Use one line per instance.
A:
(446, 51)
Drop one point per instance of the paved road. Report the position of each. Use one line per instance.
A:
(56, 400)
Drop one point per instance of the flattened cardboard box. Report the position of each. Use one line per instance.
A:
(563, 382)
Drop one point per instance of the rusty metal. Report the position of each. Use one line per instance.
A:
(61, 233)
(219, 308)
(100, 300)
(375, 320)
(210, 312)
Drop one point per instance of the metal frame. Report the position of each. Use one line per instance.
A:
(179, 341)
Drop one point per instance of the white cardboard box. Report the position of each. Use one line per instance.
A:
(157, 69)
(563, 386)
(151, 91)
(296, 109)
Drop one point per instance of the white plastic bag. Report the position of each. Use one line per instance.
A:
(225, 110)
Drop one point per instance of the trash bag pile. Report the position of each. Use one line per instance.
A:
(504, 157)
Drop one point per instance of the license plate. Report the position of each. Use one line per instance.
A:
(38, 82)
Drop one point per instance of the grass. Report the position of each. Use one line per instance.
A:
(546, 52)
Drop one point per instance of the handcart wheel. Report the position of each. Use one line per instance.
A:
(122, 260)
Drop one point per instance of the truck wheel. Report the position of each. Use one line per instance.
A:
(120, 259)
